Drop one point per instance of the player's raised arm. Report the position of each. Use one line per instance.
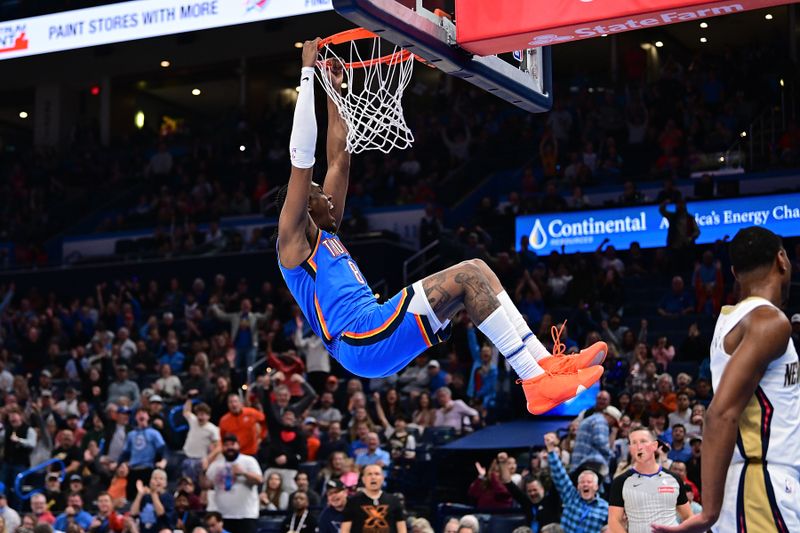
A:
(767, 334)
(338, 175)
(293, 223)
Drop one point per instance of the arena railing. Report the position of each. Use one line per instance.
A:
(18, 487)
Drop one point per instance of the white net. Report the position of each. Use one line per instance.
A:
(371, 104)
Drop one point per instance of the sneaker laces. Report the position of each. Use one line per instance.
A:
(559, 348)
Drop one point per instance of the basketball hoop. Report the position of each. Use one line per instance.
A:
(371, 104)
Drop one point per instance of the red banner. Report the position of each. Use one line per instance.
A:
(491, 27)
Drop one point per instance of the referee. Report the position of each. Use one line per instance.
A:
(646, 493)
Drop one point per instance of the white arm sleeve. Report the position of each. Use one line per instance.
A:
(303, 141)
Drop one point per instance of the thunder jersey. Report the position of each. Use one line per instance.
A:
(329, 288)
(769, 428)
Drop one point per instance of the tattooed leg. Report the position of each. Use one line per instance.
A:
(467, 285)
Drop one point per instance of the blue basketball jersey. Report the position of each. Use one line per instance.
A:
(329, 287)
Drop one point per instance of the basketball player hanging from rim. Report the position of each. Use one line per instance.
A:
(751, 466)
(374, 340)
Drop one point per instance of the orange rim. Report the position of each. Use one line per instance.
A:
(357, 34)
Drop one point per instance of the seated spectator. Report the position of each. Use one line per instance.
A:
(274, 497)
(437, 377)
(451, 413)
(694, 348)
(300, 520)
(40, 511)
(153, 506)
(332, 441)
(402, 445)
(168, 385)
(665, 397)
(646, 380)
(681, 451)
(172, 356)
(487, 491)
(708, 285)
(358, 445)
(106, 520)
(695, 426)
(332, 471)
(663, 353)
(679, 469)
(683, 413)
(374, 455)
(73, 514)
(424, 415)
(286, 448)
(333, 514)
(583, 509)
(304, 485)
(677, 302)
(325, 413)
(415, 379)
(186, 519)
(540, 507)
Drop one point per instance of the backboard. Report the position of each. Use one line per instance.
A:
(527, 82)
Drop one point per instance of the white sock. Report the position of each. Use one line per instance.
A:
(498, 328)
(534, 346)
(303, 141)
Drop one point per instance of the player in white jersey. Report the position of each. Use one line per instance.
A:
(751, 453)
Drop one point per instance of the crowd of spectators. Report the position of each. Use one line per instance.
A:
(640, 128)
(105, 382)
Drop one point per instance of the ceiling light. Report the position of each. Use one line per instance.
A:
(722, 159)
(703, 40)
(23, 114)
(297, 88)
(242, 148)
(165, 64)
(768, 16)
(645, 46)
(344, 85)
(743, 134)
(196, 92)
(138, 120)
(659, 44)
(298, 44)
(704, 25)
(781, 82)
(603, 35)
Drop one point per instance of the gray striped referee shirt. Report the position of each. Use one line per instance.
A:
(648, 498)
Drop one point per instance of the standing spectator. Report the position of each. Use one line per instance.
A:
(168, 385)
(584, 511)
(246, 423)
(73, 514)
(313, 352)
(153, 505)
(594, 441)
(332, 515)
(683, 232)
(244, 330)
(143, 451)
(646, 493)
(68, 452)
(19, 440)
(451, 413)
(172, 356)
(201, 439)
(301, 520)
(372, 509)
(283, 395)
(106, 520)
(235, 478)
(540, 507)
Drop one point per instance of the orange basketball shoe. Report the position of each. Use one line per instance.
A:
(559, 362)
(549, 389)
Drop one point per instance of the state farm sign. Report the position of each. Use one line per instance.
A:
(487, 28)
